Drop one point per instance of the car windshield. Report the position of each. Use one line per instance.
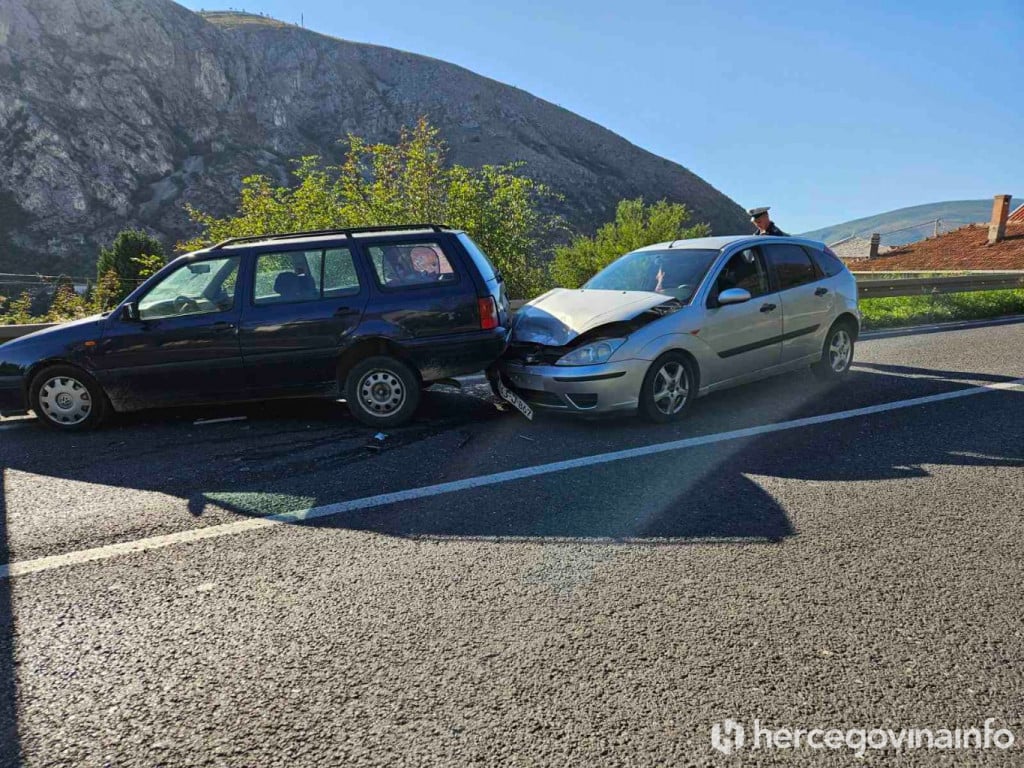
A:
(676, 272)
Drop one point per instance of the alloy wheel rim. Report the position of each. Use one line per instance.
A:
(839, 351)
(671, 388)
(65, 400)
(381, 392)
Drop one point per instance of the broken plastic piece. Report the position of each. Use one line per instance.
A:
(219, 421)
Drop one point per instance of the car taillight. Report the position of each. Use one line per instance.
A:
(488, 313)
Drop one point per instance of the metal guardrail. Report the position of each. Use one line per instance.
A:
(8, 332)
(923, 286)
(866, 288)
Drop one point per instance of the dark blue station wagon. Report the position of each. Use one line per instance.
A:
(371, 315)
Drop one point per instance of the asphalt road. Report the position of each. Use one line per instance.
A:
(854, 571)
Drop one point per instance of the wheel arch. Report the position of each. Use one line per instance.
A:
(55, 362)
(849, 319)
(371, 347)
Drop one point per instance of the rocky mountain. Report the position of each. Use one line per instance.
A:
(117, 112)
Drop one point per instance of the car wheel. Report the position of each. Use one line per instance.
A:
(382, 392)
(669, 388)
(68, 399)
(836, 355)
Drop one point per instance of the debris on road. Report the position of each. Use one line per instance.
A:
(203, 422)
(376, 443)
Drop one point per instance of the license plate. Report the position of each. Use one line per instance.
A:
(515, 400)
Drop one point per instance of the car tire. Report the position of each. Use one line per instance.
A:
(670, 377)
(382, 392)
(68, 399)
(836, 354)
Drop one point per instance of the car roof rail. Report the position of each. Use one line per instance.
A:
(347, 232)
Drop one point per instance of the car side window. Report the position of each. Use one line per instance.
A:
(197, 288)
(792, 265)
(411, 265)
(827, 262)
(288, 277)
(744, 270)
(340, 276)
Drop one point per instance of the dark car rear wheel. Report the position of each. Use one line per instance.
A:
(382, 392)
(669, 388)
(68, 399)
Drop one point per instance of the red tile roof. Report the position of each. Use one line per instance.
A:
(961, 249)
(1018, 215)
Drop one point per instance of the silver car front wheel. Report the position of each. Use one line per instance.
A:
(668, 388)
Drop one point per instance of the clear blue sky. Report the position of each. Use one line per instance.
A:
(825, 111)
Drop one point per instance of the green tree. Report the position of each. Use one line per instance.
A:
(105, 294)
(404, 183)
(66, 305)
(19, 311)
(635, 226)
(130, 256)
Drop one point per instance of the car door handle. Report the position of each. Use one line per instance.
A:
(767, 307)
(344, 311)
(821, 291)
(223, 325)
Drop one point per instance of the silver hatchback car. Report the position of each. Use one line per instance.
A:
(671, 322)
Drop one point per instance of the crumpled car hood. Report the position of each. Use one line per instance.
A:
(559, 316)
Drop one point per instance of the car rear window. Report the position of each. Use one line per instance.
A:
(483, 264)
(411, 265)
(829, 264)
(792, 265)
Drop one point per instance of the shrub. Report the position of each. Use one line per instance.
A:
(635, 226)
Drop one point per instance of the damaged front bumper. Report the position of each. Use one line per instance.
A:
(584, 389)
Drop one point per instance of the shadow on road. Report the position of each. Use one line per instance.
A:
(700, 494)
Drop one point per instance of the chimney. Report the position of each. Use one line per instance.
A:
(876, 239)
(1000, 212)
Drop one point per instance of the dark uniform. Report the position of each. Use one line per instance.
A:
(772, 229)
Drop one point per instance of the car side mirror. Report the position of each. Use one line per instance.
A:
(733, 296)
(130, 312)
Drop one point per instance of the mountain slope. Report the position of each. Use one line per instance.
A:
(117, 112)
(952, 214)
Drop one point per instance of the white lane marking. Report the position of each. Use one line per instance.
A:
(314, 513)
(954, 325)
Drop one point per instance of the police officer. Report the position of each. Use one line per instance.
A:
(765, 226)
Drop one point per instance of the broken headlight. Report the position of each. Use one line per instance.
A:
(593, 353)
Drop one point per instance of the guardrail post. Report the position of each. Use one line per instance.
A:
(876, 240)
